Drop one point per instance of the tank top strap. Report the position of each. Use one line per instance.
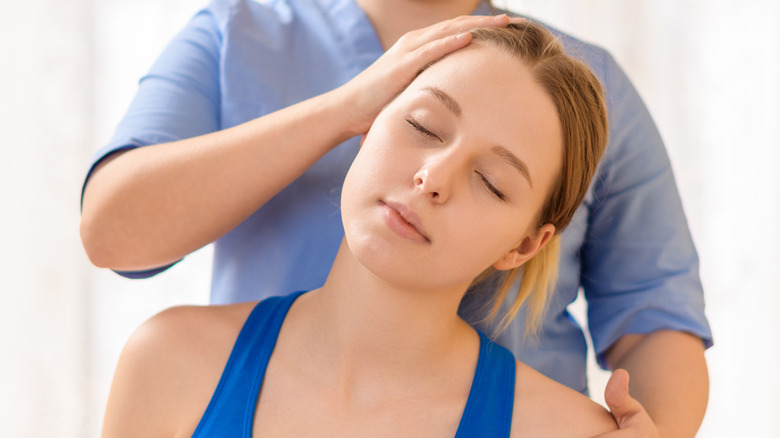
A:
(488, 411)
(231, 411)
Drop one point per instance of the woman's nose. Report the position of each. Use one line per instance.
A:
(434, 179)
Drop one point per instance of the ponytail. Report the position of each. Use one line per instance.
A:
(539, 275)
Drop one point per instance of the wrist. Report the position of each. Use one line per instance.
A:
(343, 106)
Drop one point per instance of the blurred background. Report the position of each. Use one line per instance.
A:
(709, 72)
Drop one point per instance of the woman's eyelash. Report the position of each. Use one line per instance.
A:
(422, 130)
(491, 187)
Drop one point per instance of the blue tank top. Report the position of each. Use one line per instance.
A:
(231, 411)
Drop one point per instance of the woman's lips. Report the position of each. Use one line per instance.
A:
(404, 221)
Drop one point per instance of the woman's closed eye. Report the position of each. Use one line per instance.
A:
(422, 129)
(490, 187)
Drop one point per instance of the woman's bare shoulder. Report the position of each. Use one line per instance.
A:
(190, 337)
(545, 408)
(169, 368)
(190, 329)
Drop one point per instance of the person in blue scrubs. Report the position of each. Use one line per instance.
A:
(229, 166)
(477, 166)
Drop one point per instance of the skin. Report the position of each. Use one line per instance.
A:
(129, 223)
(379, 350)
(668, 375)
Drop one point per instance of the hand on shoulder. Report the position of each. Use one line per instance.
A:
(546, 408)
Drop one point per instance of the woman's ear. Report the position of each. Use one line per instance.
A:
(528, 248)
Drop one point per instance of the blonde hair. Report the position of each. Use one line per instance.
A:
(582, 113)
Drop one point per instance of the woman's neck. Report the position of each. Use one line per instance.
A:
(362, 329)
(393, 18)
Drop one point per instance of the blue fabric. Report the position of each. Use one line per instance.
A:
(628, 246)
(488, 411)
(231, 411)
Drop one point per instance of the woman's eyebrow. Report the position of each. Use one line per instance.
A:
(515, 162)
(444, 98)
(501, 151)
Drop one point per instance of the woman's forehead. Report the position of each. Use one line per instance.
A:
(478, 68)
(483, 82)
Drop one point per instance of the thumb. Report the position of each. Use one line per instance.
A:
(621, 404)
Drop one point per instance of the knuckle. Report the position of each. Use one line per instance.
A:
(426, 51)
(406, 41)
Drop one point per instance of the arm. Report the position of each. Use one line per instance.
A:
(668, 377)
(640, 272)
(138, 207)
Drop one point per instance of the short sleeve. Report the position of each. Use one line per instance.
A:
(178, 98)
(640, 269)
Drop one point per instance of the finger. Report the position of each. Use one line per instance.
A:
(631, 418)
(622, 406)
(640, 425)
(437, 49)
(459, 25)
(441, 39)
(616, 391)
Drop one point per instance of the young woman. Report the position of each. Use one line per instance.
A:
(476, 166)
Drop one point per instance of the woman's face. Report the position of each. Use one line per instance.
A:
(452, 175)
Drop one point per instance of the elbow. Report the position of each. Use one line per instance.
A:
(100, 219)
(101, 240)
(96, 244)
(94, 227)
(109, 244)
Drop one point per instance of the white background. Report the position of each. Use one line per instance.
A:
(708, 70)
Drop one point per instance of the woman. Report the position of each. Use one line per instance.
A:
(453, 180)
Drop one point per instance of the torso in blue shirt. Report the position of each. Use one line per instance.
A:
(628, 246)
(231, 411)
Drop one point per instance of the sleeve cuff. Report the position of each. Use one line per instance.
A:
(138, 275)
(685, 318)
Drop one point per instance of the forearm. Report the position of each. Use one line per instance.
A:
(151, 206)
(668, 376)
